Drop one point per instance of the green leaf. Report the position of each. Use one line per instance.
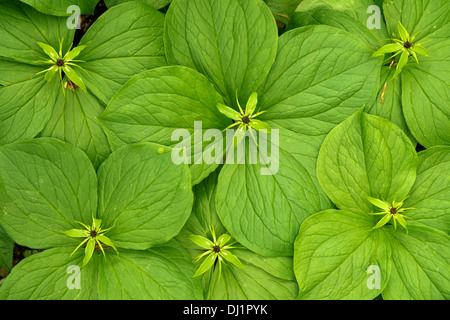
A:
(157, 4)
(335, 254)
(366, 156)
(430, 194)
(389, 48)
(49, 50)
(6, 250)
(353, 16)
(144, 195)
(88, 251)
(52, 71)
(76, 233)
(264, 211)
(383, 221)
(228, 112)
(260, 278)
(45, 186)
(306, 97)
(401, 63)
(210, 36)
(175, 98)
(251, 103)
(402, 32)
(25, 108)
(73, 53)
(163, 273)
(125, 40)
(253, 282)
(13, 72)
(60, 7)
(388, 104)
(420, 265)
(258, 125)
(431, 18)
(228, 256)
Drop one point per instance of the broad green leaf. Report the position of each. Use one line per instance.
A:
(45, 186)
(363, 18)
(430, 194)
(25, 107)
(143, 196)
(124, 41)
(388, 104)
(337, 257)
(6, 250)
(157, 4)
(232, 42)
(20, 40)
(175, 98)
(282, 8)
(425, 96)
(74, 120)
(366, 156)
(420, 265)
(60, 7)
(163, 273)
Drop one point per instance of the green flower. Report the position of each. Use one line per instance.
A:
(244, 120)
(94, 236)
(404, 46)
(216, 251)
(391, 211)
(62, 64)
